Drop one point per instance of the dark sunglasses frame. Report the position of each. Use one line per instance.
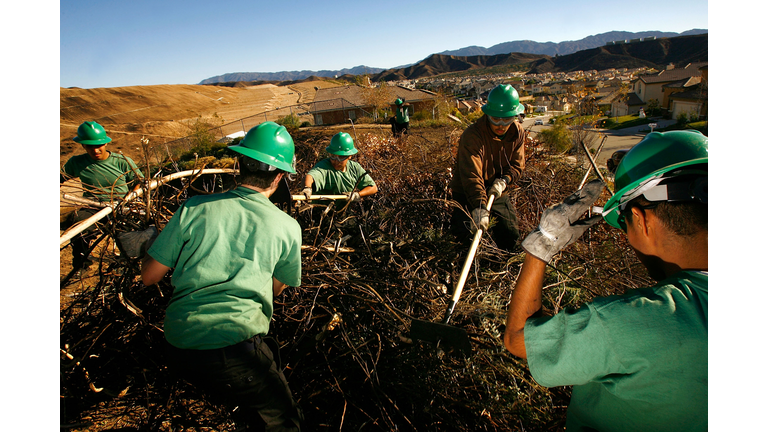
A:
(339, 158)
(628, 209)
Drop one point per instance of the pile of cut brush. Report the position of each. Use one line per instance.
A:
(368, 271)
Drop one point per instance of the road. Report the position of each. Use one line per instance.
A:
(616, 139)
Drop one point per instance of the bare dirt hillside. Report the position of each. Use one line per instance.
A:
(159, 112)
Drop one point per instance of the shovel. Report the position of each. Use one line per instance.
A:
(442, 332)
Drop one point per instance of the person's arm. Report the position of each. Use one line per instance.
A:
(277, 286)
(152, 271)
(470, 164)
(308, 181)
(559, 227)
(368, 191)
(514, 170)
(525, 302)
(134, 189)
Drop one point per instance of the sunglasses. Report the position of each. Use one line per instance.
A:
(627, 210)
(501, 121)
(339, 158)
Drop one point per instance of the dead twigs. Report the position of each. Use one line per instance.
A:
(343, 334)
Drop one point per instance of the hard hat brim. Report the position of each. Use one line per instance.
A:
(519, 109)
(610, 210)
(263, 157)
(98, 142)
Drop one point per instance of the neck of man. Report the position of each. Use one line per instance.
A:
(268, 191)
(676, 254)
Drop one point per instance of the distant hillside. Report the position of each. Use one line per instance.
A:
(288, 76)
(562, 48)
(437, 64)
(518, 55)
(655, 53)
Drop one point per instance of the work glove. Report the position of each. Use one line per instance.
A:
(560, 224)
(497, 188)
(353, 197)
(307, 191)
(480, 217)
(136, 243)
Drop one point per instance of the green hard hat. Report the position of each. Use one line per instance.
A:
(342, 145)
(271, 144)
(399, 101)
(503, 101)
(658, 156)
(91, 133)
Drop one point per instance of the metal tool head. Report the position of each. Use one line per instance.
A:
(446, 336)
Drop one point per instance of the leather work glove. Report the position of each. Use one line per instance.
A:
(136, 243)
(560, 224)
(353, 197)
(480, 217)
(307, 191)
(498, 187)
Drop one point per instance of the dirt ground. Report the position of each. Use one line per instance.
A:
(160, 112)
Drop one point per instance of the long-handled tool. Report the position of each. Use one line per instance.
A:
(319, 197)
(442, 332)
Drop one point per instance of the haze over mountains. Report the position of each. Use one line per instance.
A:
(542, 57)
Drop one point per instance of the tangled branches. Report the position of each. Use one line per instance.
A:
(367, 272)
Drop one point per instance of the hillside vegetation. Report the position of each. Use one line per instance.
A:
(653, 53)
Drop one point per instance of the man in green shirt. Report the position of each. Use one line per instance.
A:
(338, 174)
(400, 121)
(637, 361)
(105, 177)
(232, 253)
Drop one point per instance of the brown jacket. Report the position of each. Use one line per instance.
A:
(482, 158)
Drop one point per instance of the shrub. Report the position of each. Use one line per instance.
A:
(557, 138)
(291, 122)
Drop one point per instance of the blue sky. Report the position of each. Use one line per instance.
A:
(121, 43)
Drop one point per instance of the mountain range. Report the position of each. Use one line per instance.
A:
(538, 56)
(567, 47)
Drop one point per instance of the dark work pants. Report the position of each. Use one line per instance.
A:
(244, 375)
(504, 233)
(399, 128)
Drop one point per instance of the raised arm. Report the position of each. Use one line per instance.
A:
(152, 271)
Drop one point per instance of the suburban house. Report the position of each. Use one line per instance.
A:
(468, 105)
(337, 105)
(652, 86)
(622, 105)
(692, 100)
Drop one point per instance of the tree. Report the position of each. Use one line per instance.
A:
(653, 107)
(376, 95)
(202, 136)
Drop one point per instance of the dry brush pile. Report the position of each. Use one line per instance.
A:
(368, 271)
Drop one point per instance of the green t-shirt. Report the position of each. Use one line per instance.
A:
(329, 181)
(104, 180)
(637, 362)
(224, 249)
(401, 115)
